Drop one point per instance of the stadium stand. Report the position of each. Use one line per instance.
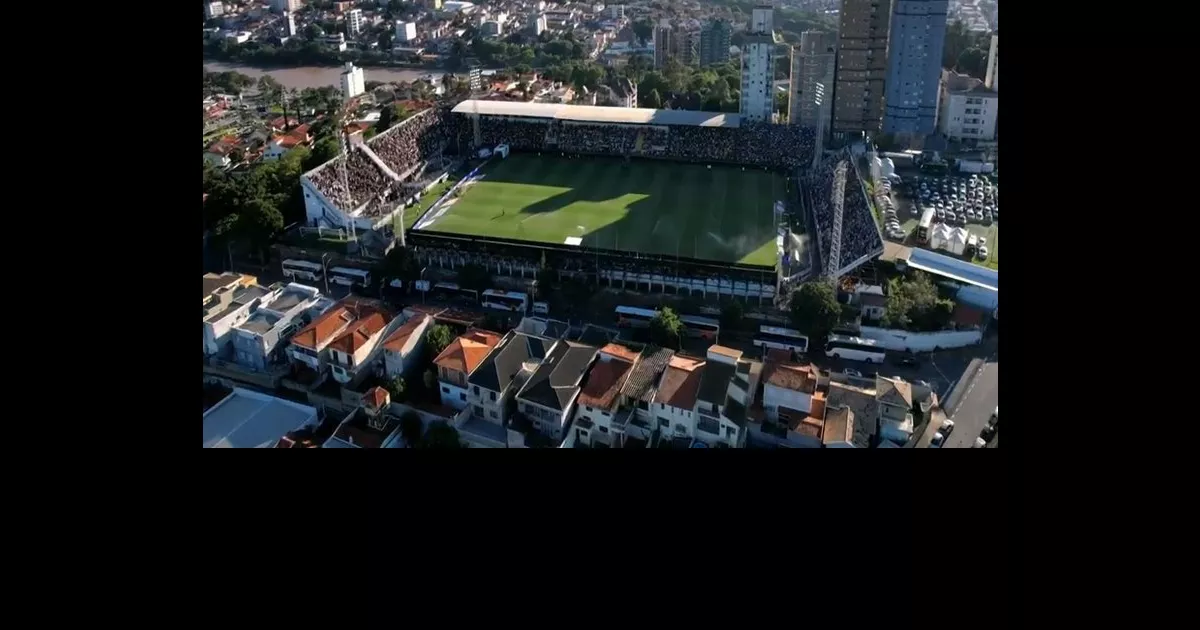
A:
(860, 234)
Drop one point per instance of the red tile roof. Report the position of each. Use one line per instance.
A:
(376, 398)
(603, 382)
(359, 332)
(468, 351)
(798, 378)
(681, 383)
(331, 322)
(620, 351)
(396, 341)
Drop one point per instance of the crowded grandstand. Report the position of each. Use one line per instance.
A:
(381, 175)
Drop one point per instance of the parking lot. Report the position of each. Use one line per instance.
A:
(973, 206)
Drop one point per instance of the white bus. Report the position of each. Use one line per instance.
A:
(347, 276)
(854, 349)
(303, 270)
(451, 292)
(924, 225)
(771, 337)
(505, 300)
(702, 327)
(629, 316)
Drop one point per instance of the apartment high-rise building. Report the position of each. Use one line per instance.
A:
(213, 9)
(969, 110)
(354, 21)
(686, 47)
(811, 77)
(353, 82)
(279, 6)
(289, 23)
(662, 43)
(714, 42)
(758, 66)
(918, 34)
(405, 31)
(858, 87)
(992, 78)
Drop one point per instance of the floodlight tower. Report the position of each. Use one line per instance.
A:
(835, 236)
(344, 149)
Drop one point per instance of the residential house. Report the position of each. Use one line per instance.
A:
(640, 388)
(280, 145)
(788, 388)
(457, 361)
(674, 403)
(218, 153)
(862, 424)
(871, 302)
(402, 348)
(312, 348)
(228, 307)
(897, 400)
(600, 418)
(368, 426)
(839, 428)
(547, 398)
(721, 400)
(353, 350)
(496, 381)
(260, 339)
(214, 283)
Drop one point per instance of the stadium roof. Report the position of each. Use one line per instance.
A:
(954, 269)
(589, 113)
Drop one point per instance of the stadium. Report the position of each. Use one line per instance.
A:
(671, 201)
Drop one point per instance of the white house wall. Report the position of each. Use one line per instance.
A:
(676, 417)
(775, 397)
(452, 395)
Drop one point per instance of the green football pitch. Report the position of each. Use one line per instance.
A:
(722, 214)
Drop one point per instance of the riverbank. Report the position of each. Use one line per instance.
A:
(322, 76)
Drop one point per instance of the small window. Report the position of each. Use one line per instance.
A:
(603, 429)
(588, 408)
(445, 390)
(664, 423)
(493, 396)
(493, 414)
(462, 397)
(476, 390)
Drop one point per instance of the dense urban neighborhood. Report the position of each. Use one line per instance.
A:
(668, 224)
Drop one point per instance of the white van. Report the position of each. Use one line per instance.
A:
(541, 308)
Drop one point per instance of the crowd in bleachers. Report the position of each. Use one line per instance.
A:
(860, 235)
(521, 134)
(411, 141)
(366, 180)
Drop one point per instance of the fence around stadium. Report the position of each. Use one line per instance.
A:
(681, 273)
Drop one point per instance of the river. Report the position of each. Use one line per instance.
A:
(316, 77)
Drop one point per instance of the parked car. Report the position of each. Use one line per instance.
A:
(988, 433)
(908, 361)
(979, 443)
(852, 372)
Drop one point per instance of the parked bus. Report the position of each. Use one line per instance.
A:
(350, 277)
(854, 349)
(506, 300)
(702, 327)
(771, 337)
(303, 270)
(629, 316)
(924, 225)
(450, 292)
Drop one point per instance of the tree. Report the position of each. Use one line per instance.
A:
(643, 30)
(397, 388)
(731, 315)
(440, 435)
(324, 150)
(411, 428)
(474, 277)
(272, 91)
(666, 328)
(430, 378)
(913, 304)
(438, 338)
(815, 311)
(653, 100)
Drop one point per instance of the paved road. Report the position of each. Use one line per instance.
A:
(976, 405)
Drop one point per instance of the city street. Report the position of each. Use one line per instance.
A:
(974, 406)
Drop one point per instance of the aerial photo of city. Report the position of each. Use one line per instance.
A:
(660, 224)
